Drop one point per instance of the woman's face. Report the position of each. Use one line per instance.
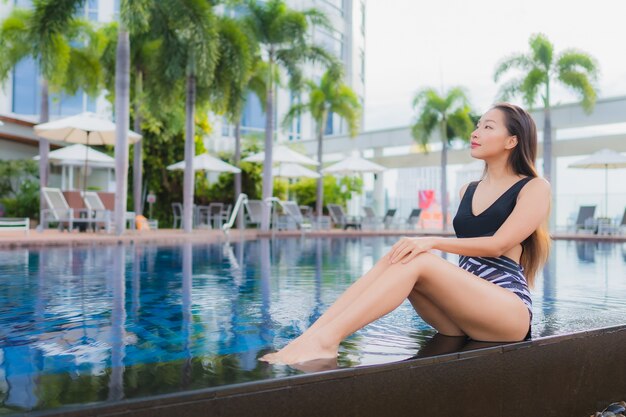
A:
(491, 137)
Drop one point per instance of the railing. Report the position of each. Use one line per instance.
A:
(270, 201)
(242, 199)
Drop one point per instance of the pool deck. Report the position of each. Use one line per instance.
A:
(55, 237)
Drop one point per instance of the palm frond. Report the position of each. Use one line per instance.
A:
(580, 83)
(542, 50)
(530, 85)
(460, 124)
(517, 61)
(575, 60)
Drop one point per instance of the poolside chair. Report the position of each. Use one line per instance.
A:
(177, 211)
(60, 212)
(94, 203)
(105, 204)
(389, 218)
(292, 212)
(215, 215)
(414, 218)
(585, 220)
(340, 219)
(371, 220)
(254, 212)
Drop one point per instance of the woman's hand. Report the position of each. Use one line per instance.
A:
(408, 248)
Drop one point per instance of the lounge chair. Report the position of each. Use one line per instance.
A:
(94, 201)
(414, 218)
(294, 216)
(254, 212)
(371, 220)
(389, 217)
(341, 219)
(60, 212)
(585, 220)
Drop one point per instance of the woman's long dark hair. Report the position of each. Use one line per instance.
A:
(536, 247)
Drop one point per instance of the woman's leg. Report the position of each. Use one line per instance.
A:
(349, 295)
(481, 309)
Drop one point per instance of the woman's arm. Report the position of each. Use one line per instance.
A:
(532, 209)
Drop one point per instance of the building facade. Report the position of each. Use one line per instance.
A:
(346, 41)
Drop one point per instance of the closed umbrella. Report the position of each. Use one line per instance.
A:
(206, 162)
(603, 159)
(283, 154)
(85, 128)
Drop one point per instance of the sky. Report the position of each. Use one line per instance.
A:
(414, 44)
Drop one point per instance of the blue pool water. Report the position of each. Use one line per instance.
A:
(104, 323)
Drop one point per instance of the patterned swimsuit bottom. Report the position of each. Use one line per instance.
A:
(505, 273)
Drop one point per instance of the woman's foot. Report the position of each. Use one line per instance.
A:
(302, 350)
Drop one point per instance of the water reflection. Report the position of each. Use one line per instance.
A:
(111, 322)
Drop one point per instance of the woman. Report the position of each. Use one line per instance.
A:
(502, 239)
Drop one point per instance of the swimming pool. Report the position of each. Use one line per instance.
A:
(103, 323)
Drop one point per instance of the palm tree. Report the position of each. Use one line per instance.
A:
(189, 53)
(134, 17)
(239, 71)
(142, 58)
(572, 68)
(449, 115)
(330, 96)
(283, 36)
(54, 38)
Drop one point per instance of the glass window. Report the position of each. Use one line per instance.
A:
(24, 3)
(332, 42)
(65, 105)
(116, 8)
(329, 124)
(296, 124)
(337, 4)
(253, 115)
(91, 104)
(26, 87)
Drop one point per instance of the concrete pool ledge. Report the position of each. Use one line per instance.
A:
(10, 240)
(573, 374)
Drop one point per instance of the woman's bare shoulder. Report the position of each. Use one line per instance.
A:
(537, 186)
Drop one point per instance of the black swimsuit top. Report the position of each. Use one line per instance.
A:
(489, 221)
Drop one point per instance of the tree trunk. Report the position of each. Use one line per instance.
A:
(547, 153)
(319, 201)
(122, 105)
(188, 186)
(240, 214)
(138, 148)
(268, 183)
(44, 145)
(444, 177)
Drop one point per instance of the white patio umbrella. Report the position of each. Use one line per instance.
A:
(282, 154)
(75, 155)
(290, 170)
(603, 159)
(353, 165)
(85, 128)
(206, 162)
